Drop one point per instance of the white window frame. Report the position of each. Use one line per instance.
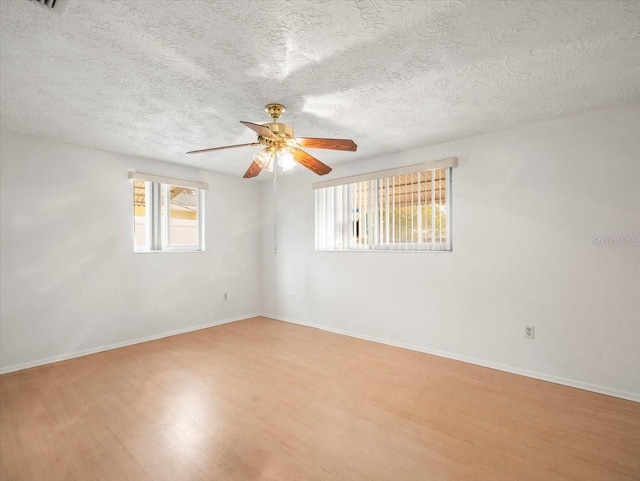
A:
(158, 226)
(341, 216)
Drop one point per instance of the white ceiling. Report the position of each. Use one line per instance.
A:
(159, 78)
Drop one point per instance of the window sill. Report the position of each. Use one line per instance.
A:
(385, 248)
(388, 251)
(171, 252)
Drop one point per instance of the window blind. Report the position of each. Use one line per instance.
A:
(406, 209)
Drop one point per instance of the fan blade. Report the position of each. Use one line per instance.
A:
(222, 148)
(259, 129)
(309, 161)
(253, 170)
(331, 144)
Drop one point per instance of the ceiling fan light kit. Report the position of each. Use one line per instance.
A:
(266, 157)
(281, 145)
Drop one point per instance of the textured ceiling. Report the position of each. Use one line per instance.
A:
(158, 78)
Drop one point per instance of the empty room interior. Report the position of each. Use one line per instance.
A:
(373, 240)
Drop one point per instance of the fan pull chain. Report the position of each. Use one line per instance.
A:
(275, 206)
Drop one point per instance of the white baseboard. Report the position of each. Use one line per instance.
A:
(93, 350)
(480, 362)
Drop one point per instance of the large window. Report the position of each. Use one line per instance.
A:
(406, 209)
(168, 214)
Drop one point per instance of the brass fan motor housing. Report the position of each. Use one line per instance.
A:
(283, 131)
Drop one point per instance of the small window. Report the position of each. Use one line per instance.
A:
(408, 211)
(167, 216)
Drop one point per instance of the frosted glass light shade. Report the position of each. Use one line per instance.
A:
(264, 159)
(285, 160)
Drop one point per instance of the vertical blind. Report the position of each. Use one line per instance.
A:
(406, 209)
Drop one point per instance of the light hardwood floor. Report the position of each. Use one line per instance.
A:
(266, 400)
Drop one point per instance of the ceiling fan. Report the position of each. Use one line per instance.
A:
(279, 143)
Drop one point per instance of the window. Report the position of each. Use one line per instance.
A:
(405, 209)
(168, 214)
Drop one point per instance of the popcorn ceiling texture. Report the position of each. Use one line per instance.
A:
(158, 78)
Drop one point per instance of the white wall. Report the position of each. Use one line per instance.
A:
(69, 280)
(526, 205)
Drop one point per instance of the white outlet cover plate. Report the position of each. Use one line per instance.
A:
(529, 332)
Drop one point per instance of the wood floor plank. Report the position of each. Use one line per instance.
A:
(265, 400)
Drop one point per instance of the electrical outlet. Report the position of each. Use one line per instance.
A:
(225, 297)
(529, 332)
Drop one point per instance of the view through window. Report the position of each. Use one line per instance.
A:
(183, 215)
